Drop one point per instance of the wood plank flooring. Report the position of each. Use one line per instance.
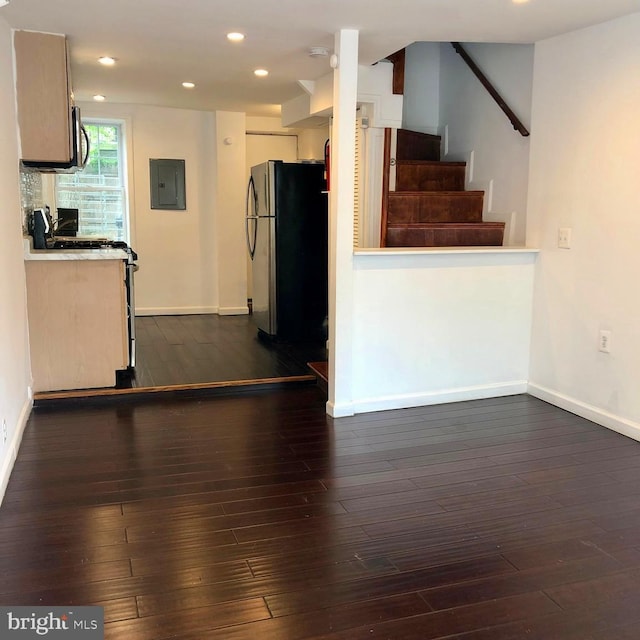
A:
(193, 349)
(257, 516)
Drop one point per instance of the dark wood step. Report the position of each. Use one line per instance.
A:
(428, 175)
(413, 145)
(320, 369)
(435, 206)
(480, 234)
(321, 372)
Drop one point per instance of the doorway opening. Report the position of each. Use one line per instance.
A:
(211, 348)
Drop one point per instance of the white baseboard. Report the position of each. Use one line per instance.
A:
(233, 311)
(12, 447)
(602, 417)
(174, 311)
(404, 401)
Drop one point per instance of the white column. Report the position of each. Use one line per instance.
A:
(230, 204)
(345, 88)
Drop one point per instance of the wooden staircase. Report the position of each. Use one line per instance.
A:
(429, 207)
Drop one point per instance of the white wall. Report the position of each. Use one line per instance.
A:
(473, 123)
(440, 327)
(310, 139)
(266, 124)
(374, 86)
(15, 370)
(177, 249)
(189, 259)
(311, 143)
(585, 158)
(421, 107)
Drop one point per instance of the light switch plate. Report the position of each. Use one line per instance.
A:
(564, 238)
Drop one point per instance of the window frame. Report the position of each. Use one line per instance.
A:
(124, 152)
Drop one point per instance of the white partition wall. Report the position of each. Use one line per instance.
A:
(440, 326)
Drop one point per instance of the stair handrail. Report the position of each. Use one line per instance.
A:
(486, 83)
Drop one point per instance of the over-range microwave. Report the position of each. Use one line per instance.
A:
(79, 150)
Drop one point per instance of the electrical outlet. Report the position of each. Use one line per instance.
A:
(564, 238)
(604, 341)
(4, 431)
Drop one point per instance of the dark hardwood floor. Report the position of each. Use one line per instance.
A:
(189, 349)
(256, 516)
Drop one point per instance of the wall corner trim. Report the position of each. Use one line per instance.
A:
(339, 410)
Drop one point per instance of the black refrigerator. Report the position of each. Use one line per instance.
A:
(287, 237)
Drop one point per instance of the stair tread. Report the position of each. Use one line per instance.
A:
(436, 163)
(413, 194)
(422, 225)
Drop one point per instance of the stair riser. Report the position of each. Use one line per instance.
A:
(411, 145)
(434, 207)
(429, 178)
(445, 237)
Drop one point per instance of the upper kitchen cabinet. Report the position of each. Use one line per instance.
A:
(43, 89)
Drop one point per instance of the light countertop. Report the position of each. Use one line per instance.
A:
(70, 254)
(425, 251)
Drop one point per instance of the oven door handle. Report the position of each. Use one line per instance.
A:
(87, 147)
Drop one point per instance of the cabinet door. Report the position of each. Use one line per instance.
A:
(77, 323)
(43, 94)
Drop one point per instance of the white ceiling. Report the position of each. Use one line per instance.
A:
(160, 43)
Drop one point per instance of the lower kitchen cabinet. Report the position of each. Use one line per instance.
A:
(77, 323)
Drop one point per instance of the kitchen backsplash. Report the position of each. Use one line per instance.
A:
(31, 194)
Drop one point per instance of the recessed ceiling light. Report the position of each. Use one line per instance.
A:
(519, 1)
(188, 85)
(261, 73)
(107, 61)
(99, 98)
(235, 36)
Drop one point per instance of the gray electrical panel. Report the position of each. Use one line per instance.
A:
(167, 184)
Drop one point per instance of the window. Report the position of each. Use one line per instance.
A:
(99, 190)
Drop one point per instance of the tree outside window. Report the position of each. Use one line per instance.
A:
(99, 190)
